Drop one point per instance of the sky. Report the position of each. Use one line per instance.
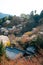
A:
(16, 7)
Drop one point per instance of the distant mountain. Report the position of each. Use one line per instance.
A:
(3, 15)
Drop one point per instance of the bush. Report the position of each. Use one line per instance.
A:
(37, 42)
(1, 50)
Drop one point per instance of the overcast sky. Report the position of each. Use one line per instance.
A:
(16, 7)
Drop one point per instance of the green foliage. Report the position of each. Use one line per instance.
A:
(1, 49)
(41, 14)
(37, 42)
(0, 21)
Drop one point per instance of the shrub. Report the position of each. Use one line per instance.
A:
(37, 42)
(1, 50)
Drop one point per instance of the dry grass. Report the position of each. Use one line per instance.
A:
(35, 60)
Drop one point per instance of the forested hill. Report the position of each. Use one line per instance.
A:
(25, 21)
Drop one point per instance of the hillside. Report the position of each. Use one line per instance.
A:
(21, 39)
(22, 23)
